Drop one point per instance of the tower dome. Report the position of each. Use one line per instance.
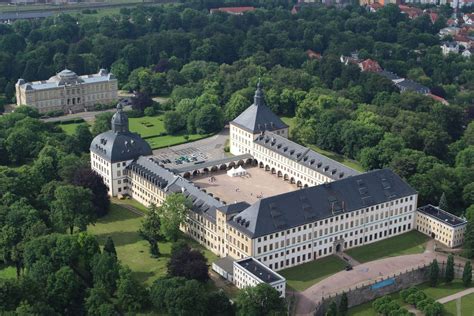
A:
(120, 120)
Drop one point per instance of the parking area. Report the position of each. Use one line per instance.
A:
(181, 157)
(256, 184)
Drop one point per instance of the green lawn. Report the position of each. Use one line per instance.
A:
(7, 272)
(408, 243)
(467, 306)
(441, 290)
(173, 140)
(131, 202)
(132, 250)
(303, 276)
(290, 121)
(70, 128)
(147, 126)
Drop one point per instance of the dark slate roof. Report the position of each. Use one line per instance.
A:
(226, 264)
(305, 156)
(119, 144)
(389, 75)
(284, 211)
(258, 117)
(259, 270)
(116, 147)
(410, 85)
(169, 182)
(442, 216)
(234, 208)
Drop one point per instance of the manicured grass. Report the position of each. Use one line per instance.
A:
(443, 289)
(147, 126)
(70, 129)
(7, 272)
(122, 225)
(303, 276)
(405, 244)
(290, 121)
(172, 140)
(467, 306)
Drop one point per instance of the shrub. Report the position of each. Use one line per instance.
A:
(149, 111)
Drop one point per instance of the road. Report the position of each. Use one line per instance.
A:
(86, 116)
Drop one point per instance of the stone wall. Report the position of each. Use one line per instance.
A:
(369, 291)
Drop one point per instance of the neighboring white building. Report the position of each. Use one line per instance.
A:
(450, 47)
(251, 272)
(68, 92)
(441, 225)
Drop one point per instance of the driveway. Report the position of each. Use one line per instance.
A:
(363, 273)
(86, 116)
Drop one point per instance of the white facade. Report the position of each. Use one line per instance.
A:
(322, 238)
(68, 92)
(245, 277)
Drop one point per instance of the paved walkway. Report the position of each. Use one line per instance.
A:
(362, 274)
(345, 257)
(455, 296)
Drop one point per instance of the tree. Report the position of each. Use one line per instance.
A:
(434, 273)
(467, 274)
(102, 123)
(236, 105)
(98, 302)
(174, 122)
(332, 309)
(109, 247)
(172, 214)
(83, 137)
(131, 295)
(150, 229)
(343, 305)
(64, 291)
(449, 274)
(105, 271)
(209, 119)
(469, 239)
(140, 101)
(443, 202)
(89, 179)
(188, 263)
(260, 300)
(72, 207)
(218, 304)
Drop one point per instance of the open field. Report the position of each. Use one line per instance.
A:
(149, 127)
(303, 276)
(441, 290)
(132, 250)
(467, 306)
(246, 188)
(7, 272)
(405, 244)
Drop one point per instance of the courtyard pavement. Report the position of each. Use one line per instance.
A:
(257, 184)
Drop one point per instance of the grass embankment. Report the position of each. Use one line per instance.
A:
(442, 290)
(122, 225)
(405, 244)
(303, 276)
(291, 122)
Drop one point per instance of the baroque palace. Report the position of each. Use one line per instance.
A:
(68, 92)
(335, 207)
